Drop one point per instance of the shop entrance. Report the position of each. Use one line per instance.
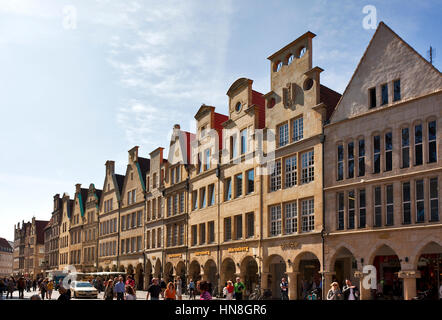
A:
(430, 267)
(195, 271)
(249, 274)
(387, 264)
(228, 271)
(277, 270)
(309, 278)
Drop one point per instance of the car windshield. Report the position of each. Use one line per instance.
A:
(83, 285)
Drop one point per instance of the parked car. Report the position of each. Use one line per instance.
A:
(83, 289)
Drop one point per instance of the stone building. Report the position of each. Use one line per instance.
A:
(29, 240)
(383, 158)
(76, 227)
(52, 234)
(132, 217)
(6, 258)
(64, 237)
(109, 220)
(90, 230)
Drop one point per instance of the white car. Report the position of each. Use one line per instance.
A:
(83, 289)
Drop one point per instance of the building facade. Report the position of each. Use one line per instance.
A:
(52, 235)
(384, 165)
(90, 230)
(64, 238)
(76, 227)
(6, 258)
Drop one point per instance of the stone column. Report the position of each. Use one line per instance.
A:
(327, 277)
(409, 277)
(264, 280)
(293, 285)
(365, 292)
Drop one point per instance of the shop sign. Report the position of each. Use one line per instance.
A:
(239, 249)
(289, 245)
(176, 255)
(202, 253)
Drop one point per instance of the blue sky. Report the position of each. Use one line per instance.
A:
(72, 98)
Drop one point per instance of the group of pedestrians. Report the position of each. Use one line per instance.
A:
(119, 289)
(349, 291)
(171, 291)
(22, 284)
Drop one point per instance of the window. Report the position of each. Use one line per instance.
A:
(133, 219)
(384, 92)
(308, 167)
(169, 235)
(351, 210)
(228, 189)
(388, 151)
(202, 233)
(175, 235)
(283, 134)
(123, 223)
(434, 200)
(420, 206)
(376, 154)
(340, 219)
(278, 66)
(361, 159)
(138, 243)
(351, 160)
(406, 203)
(291, 218)
(308, 215)
(390, 207)
(207, 159)
(203, 197)
(175, 204)
(159, 237)
(238, 227)
(227, 229)
(181, 202)
(372, 97)
(211, 226)
(340, 162)
(194, 235)
(432, 154)
(298, 129)
(250, 218)
(275, 220)
(290, 59)
(275, 177)
(244, 141)
(200, 167)
(405, 148)
(211, 199)
(177, 176)
(238, 107)
(172, 175)
(233, 147)
(154, 208)
(139, 218)
(362, 210)
(377, 207)
(238, 185)
(397, 90)
(194, 200)
(291, 176)
(250, 181)
(181, 235)
(418, 159)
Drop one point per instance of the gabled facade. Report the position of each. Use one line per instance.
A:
(90, 230)
(132, 216)
(52, 234)
(64, 237)
(109, 220)
(76, 227)
(384, 170)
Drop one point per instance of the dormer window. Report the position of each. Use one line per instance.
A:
(290, 59)
(302, 52)
(278, 66)
(238, 107)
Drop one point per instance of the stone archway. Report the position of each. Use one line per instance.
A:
(210, 271)
(168, 272)
(148, 273)
(139, 277)
(228, 271)
(249, 274)
(388, 265)
(157, 271)
(428, 262)
(308, 266)
(344, 265)
(277, 269)
(181, 272)
(195, 271)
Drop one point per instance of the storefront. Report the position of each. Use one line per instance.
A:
(430, 267)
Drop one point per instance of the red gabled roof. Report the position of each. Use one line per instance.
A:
(218, 120)
(258, 100)
(330, 98)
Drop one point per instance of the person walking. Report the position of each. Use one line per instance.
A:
(130, 282)
(350, 291)
(154, 290)
(34, 285)
(229, 290)
(130, 293)
(109, 290)
(284, 286)
(163, 286)
(120, 288)
(191, 289)
(204, 291)
(11, 287)
(65, 295)
(43, 289)
(239, 289)
(2, 288)
(170, 293)
(334, 293)
(179, 288)
(21, 285)
(50, 289)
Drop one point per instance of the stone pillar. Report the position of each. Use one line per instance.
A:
(264, 280)
(327, 277)
(409, 277)
(365, 292)
(293, 285)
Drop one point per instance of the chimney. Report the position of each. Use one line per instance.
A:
(133, 154)
(77, 187)
(110, 167)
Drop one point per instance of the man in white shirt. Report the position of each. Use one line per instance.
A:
(350, 291)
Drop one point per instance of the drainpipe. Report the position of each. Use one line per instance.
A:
(323, 231)
(119, 232)
(218, 174)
